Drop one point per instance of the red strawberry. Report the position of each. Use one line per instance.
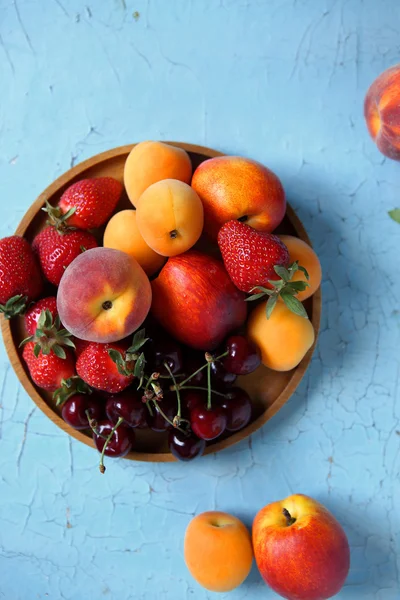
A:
(91, 200)
(97, 368)
(250, 256)
(33, 314)
(20, 278)
(48, 370)
(80, 345)
(57, 250)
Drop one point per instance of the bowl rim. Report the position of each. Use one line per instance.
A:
(27, 384)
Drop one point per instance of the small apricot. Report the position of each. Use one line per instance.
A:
(283, 339)
(149, 162)
(122, 233)
(218, 551)
(307, 258)
(170, 217)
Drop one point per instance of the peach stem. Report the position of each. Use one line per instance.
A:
(289, 519)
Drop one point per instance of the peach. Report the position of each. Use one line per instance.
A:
(232, 187)
(283, 339)
(218, 551)
(382, 112)
(149, 162)
(306, 257)
(170, 217)
(122, 233)
(104, 295)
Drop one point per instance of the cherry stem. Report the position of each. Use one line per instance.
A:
(289, 519)
(164, 416)
(149, 408)
(93, 425)
(204, 389)
(182, 383)
(108, 440)
(209, 386)
(178, 396)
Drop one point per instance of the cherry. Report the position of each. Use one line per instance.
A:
(206, 423)
(220, 377)
(192, 363)
(168, 405)
(165, 350)
(74, 410)
(192, 398)
(244, 356)
(185, 446)
(129, 406)
(121, 442)
(237, 407)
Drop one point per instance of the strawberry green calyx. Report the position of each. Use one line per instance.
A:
(14, 306)
(57, 218)
(134, 361)
(49, 336)
(283, 288)
(69, 387)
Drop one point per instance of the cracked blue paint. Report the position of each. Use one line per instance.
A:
(279, 81)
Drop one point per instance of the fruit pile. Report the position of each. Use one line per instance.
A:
(151, 328)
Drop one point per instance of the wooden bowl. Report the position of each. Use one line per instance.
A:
(269, 390)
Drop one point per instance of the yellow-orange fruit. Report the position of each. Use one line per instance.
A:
(170, 217)
(283, 339)
(122, 233)
(307, 258)
(149, 162)
(218, 551)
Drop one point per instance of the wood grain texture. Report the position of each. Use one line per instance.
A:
(269, 390)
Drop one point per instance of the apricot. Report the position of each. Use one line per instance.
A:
(122, 233)
(307, 258)
(170, 217)
(218, 551)
(104, 295)
(149, 162)
(283, 339)
(382, 112)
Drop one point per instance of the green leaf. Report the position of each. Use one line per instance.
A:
(304, 270)
(276, 283)
(298, 286)
(282, 273)
(255, 296)
(272, 300)
(69, 213)
(36, 350)
(139, 339)
(68, 342)
(139, 366)
(116, 356)
(41, 320)
(293, 267)
(395, 214)
(59, 351)
(294, 305)
(25, 341)
(260, 287)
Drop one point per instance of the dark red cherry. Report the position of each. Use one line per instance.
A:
(121, 442)
(191, 398)
(191, 364)
(168, 405)
(128, 405)
(74, 410)
(166, 350)
(238, 409)
(208, 424)
(244, 356)
(185, 446)
(220, 377)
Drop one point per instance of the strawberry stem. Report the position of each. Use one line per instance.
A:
(108, 440)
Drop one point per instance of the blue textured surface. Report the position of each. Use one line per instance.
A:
(282, 82)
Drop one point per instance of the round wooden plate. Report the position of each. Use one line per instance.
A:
(269, 390)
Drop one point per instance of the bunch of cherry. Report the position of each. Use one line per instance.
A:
(189, 394)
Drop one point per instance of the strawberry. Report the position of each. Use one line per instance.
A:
(49, 336)
(80, 345)
(33, 313)
(48, 370)
(86, 204)
(250, 256)
(57, 250)
(259, 261)
(20, 278)
(96, 367)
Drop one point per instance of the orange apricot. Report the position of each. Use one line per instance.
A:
(149, 162)
(283, 339)
(218, 551)
(122, 233)
(170, 217)
(307, 258)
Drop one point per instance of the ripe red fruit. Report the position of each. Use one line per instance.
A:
(57, 250)
(80, 345)
(19, 275)
(250, 256)
(121, 442)
(75, 408)
(129, 406)
(238, 409)
(94, 201)
(32, 315)
(48, 370)
(185, 446)
(244, 356)
(206, 423)
(98, 370)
